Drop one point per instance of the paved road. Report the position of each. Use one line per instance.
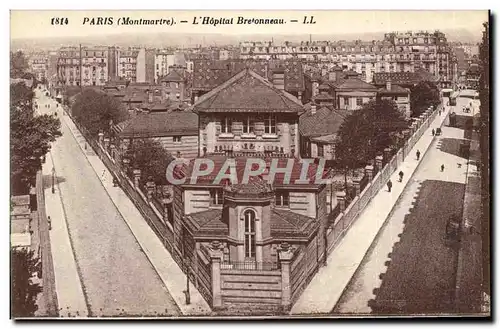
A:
(116, 275)
(411, 268)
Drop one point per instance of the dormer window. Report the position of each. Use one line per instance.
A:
(282, 199)
(216, 197)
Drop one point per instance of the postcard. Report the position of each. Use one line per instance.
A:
(249, 164)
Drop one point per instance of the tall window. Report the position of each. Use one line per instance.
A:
(346, 101)
(359, 101)
(270, 124)
(249, 216)
(248, 125)
(216, 197)
(226, 125)
(282, 198)
(320, 151)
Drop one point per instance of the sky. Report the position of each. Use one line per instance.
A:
(327, 22)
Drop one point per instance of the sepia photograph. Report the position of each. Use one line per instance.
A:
(211, 165)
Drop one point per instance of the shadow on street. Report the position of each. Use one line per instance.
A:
(452, 146)
(421, 272)
(47, 181)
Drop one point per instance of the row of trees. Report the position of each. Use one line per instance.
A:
(379, 124)
(24, 292)
(423, 95)
(97, 112)
(30, 138)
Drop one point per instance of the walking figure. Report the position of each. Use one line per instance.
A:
(401, 176)
(442, 167)
(389, 185)
(49, 221)
(418, 155)
(433, 132)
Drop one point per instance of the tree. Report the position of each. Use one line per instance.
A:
(151, 158)
(24, 292)
(386, 120)
(366, 133)
(96, 111)
(30, 138)
(18, 64)
(353, 146)
(21, 95)
(423, 95)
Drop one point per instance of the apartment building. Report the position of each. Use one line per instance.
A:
(83, 66)
(164, 60)
(132, 64)
(39, 65)
(396, 52)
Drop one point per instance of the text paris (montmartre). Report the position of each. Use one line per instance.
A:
(240, 20)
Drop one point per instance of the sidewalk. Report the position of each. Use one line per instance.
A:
(326, 288)
(469, 271)
(168, 270)
(69, 290)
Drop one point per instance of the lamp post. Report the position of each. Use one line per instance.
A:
(53, 179)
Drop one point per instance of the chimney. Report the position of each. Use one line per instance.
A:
(388, 84)
(313, 109)
(332, 76)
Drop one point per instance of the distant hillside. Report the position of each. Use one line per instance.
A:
(159, 40)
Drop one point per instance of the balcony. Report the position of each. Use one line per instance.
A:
(250, 266)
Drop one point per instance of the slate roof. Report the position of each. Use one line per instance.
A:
(256, 186)
(207, 74)
(355, 84)
(324, 122)
(395, 89)
(402, 78)
(173, 76)
(208, 222)
(284, 224)
(159, 124)
(247, 92)
(240, 164)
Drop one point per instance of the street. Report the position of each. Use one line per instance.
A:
(117, 277)
(411, 268)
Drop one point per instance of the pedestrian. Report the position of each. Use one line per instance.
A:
(442, 167)
(433, 132)
(49, 221)
(418, 155)
(389, 185)
(401, 174)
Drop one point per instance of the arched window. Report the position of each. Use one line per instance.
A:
(249, 217)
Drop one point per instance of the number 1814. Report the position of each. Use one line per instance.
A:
(59, 21)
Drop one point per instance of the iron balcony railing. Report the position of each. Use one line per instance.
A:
(250, 266)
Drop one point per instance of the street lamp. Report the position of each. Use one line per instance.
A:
(53, 179)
